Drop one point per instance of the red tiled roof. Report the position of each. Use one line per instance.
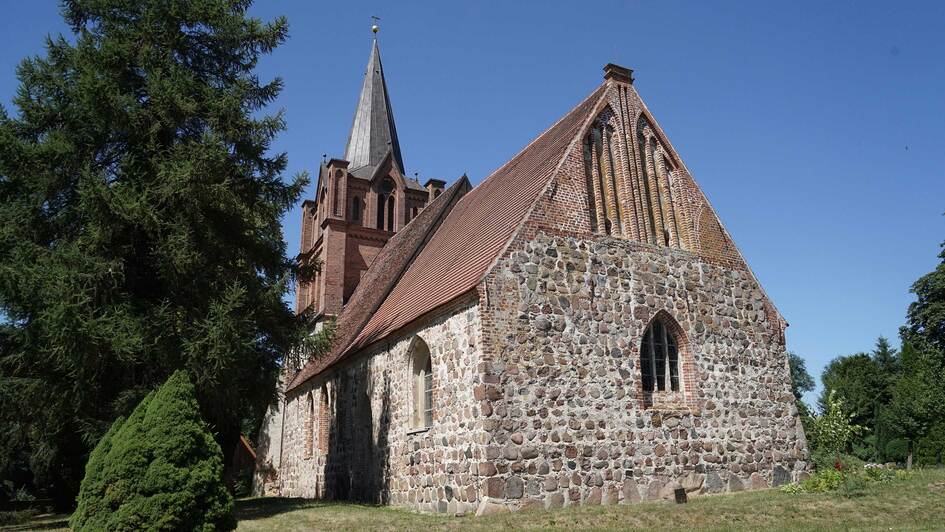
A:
(454, 259)
(476, 231)
(381, 275)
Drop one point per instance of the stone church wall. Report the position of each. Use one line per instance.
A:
(561, 391)
(372, 454)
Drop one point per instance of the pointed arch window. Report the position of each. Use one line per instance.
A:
(356, 209)
(391, 210)
(337, 193)
(659, 358)
(422, 385)
(309, 425)
(381, 203)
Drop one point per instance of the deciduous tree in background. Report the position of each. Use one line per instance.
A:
(834, 428)
(140, 232)
(917, 396)
(926, 315)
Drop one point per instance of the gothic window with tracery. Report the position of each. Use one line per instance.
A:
(659, 358)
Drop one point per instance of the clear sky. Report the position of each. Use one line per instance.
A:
(816, 129)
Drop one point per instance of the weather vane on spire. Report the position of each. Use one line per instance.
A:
(374, 27)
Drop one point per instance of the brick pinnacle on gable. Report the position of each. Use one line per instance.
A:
(618, 73)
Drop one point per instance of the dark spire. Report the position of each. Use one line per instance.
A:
(373, 133)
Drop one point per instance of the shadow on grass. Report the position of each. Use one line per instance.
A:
(263, 507)
(38, 522)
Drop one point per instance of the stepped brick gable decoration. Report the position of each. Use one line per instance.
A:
(579, 328)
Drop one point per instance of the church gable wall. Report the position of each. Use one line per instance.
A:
(622, 238)
(362, 446)
(568, 418)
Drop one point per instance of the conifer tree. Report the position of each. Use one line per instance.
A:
(140, 212)
(159, 470)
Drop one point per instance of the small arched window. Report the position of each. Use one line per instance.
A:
(381, 203)
(422, 412)
(659, 359)
(309, 425)
(337, 193)
(355, 209)
(391, 209)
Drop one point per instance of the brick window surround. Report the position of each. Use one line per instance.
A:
(667, 398)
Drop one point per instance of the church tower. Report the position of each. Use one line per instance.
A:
(360, 202)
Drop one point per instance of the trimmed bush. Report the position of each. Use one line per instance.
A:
(159, 470)
(92, 490)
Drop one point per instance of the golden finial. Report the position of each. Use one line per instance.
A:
(374, 27)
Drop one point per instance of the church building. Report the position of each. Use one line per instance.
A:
(579, 328)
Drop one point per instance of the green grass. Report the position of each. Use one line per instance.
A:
(916, 503)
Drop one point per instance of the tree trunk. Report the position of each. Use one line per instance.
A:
(909, 456)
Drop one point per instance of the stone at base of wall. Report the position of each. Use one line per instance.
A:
(695, 484)
(489, 506)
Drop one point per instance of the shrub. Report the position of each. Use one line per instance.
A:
(92, 490)
(159, 470)
(823, 481)
(834, 429)
(897, 450)
(903, 474)
(878, 473)
(824, 459)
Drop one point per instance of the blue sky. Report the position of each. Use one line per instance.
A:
(816, 129)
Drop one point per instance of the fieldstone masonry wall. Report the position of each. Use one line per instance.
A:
(372, 454)
(561, 392)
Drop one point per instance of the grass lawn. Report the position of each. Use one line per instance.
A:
(917, 503)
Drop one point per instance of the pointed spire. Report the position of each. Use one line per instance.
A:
(372, 132)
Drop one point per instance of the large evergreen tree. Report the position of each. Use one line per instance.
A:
(140, 213)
